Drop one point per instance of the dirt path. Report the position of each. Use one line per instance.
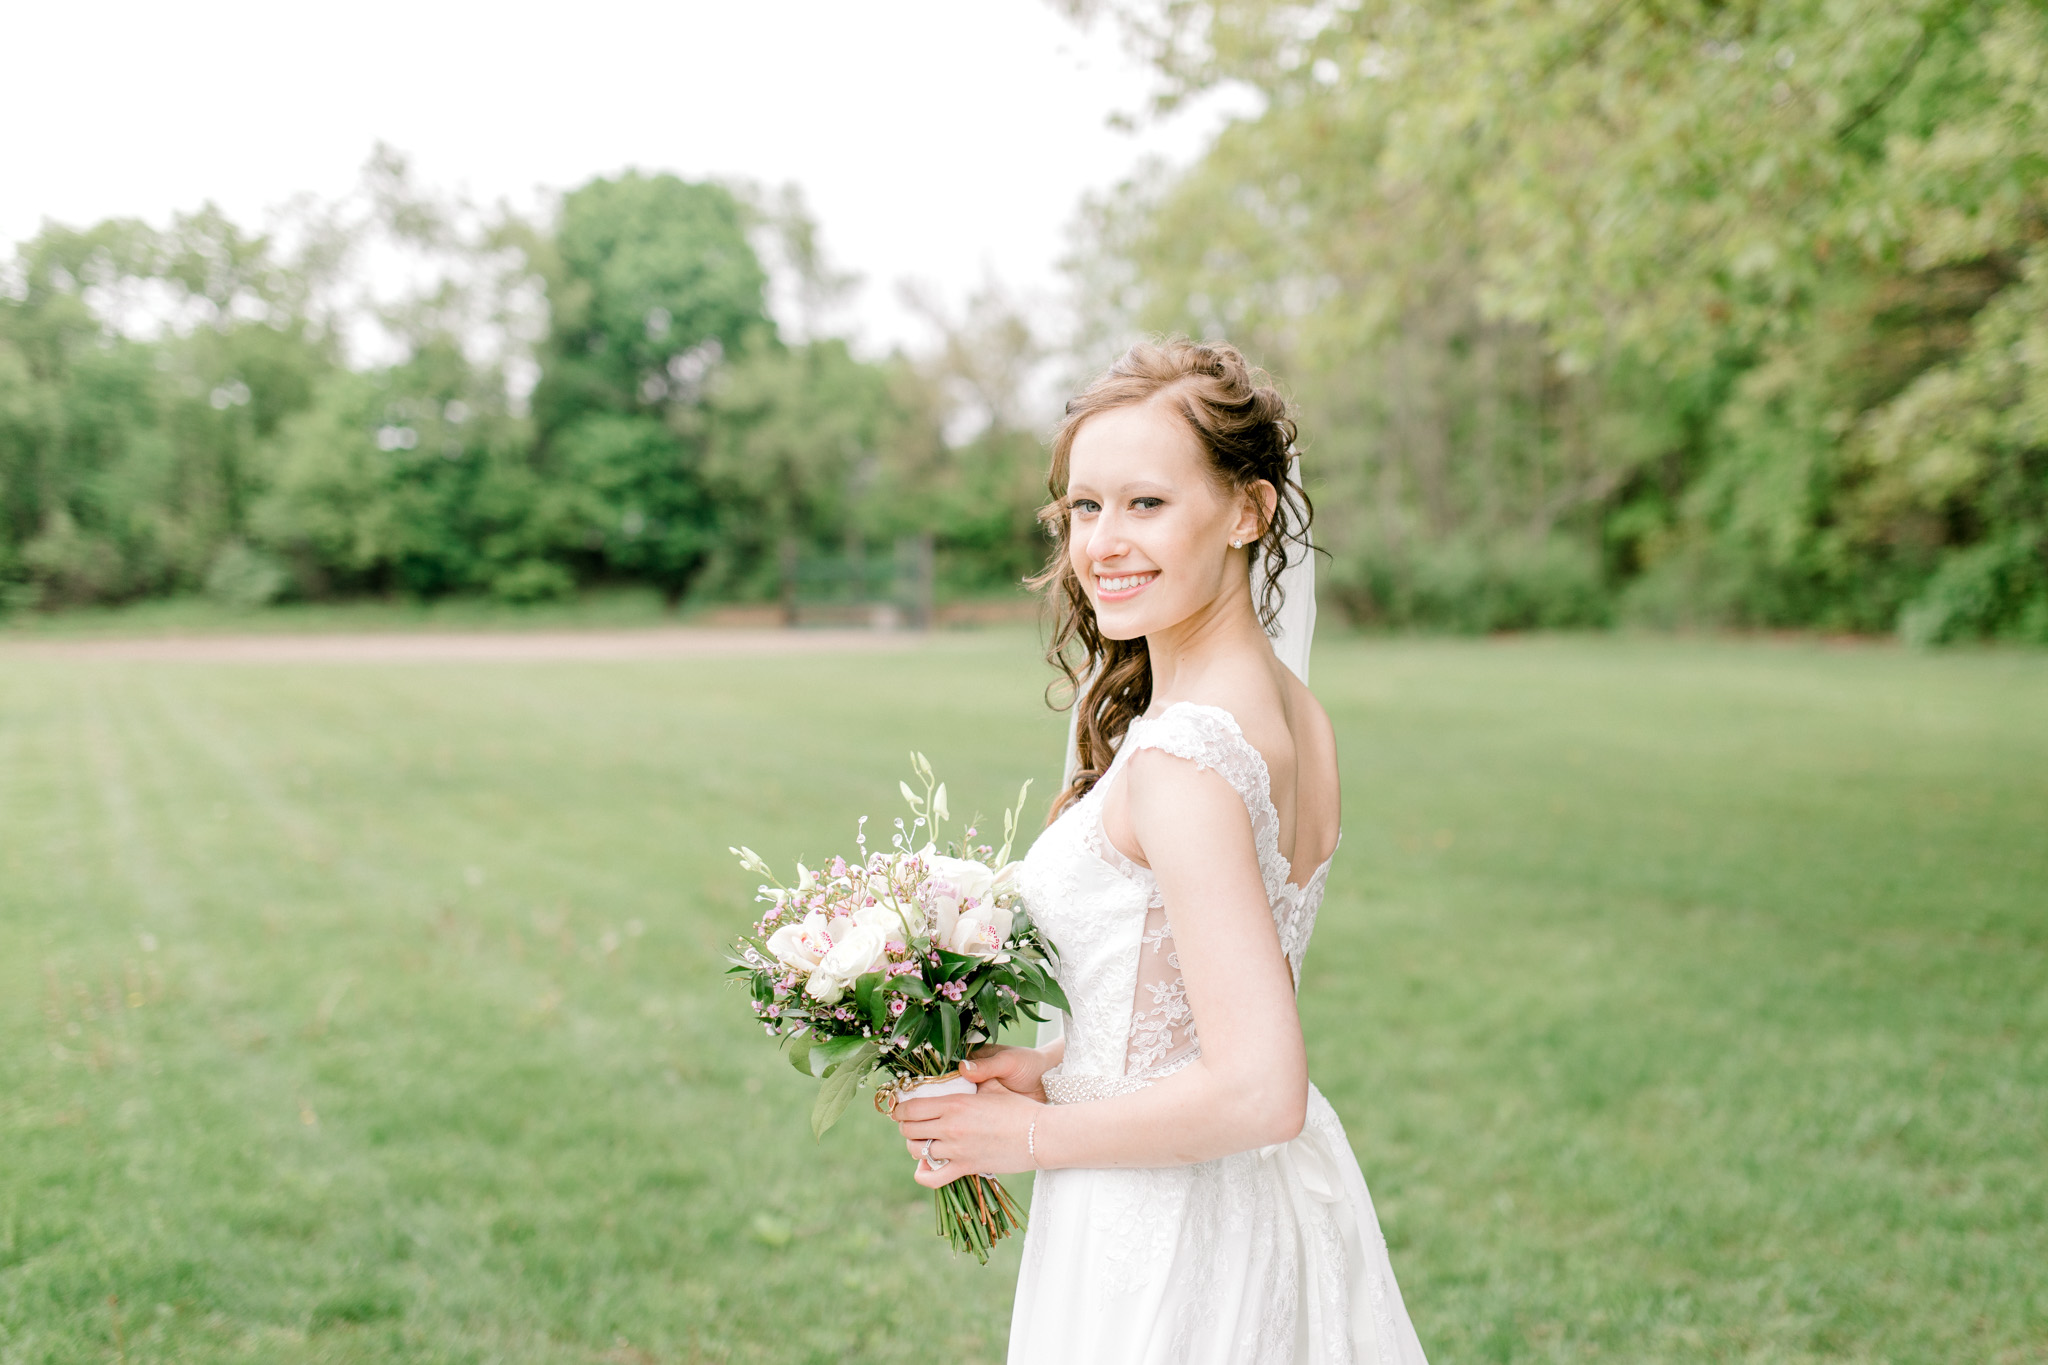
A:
(466, 646)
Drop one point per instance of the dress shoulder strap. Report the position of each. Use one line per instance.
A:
(1209, 737)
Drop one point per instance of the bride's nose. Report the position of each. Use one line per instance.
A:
(1103, 540)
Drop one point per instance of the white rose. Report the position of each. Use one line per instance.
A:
(883, 917)
(800, 946)
(862, 950)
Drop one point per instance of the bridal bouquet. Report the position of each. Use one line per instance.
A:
(892, 966)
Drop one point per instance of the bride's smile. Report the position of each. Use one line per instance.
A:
(1122, 589)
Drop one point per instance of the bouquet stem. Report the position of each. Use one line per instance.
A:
(975, 1212)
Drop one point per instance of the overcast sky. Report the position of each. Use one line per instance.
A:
(936, 140)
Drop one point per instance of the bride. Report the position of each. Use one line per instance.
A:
(1196, 1198)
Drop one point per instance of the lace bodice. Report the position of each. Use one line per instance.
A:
(1131, 1021)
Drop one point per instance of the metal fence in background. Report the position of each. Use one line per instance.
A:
(859, 587)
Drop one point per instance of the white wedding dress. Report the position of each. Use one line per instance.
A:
(1272, 1255)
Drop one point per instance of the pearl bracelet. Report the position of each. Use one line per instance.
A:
(1031, 1143)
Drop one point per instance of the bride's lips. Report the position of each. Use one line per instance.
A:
(1122, 587)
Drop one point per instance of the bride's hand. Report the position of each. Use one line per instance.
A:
(1021, 1070)
(981, 1134)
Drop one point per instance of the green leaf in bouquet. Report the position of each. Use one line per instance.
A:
(914, 987)
(1039, 985)
(800, 1053)
(949, 1030)
(827, 1053)
(867, 997)
(953, 966)
(915, 1028)
(839, 1087)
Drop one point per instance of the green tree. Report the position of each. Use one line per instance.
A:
(412, 478)
(177, 413)
(1728, 296)
(126, 465)
(652, 286)
(806, 444)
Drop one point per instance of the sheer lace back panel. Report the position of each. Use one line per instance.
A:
(1162, 1031)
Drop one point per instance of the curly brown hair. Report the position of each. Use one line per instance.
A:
(1245, 427)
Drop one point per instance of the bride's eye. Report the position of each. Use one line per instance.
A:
(1147, 504)
(1084, 507)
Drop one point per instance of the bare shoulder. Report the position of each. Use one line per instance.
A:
(1256, 700)
(1284, 721)
(1278, 714)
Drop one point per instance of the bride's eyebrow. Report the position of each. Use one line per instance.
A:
(1136, 488)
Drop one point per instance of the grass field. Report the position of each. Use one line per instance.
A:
(1686, 1001)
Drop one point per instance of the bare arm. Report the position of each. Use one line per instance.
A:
(1250, 1086)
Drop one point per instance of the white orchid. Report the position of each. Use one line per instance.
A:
(980, 930)
(968, 878)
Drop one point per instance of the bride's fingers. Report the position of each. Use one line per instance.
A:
(932, 1179)
(929, 1176)
(994, 1066)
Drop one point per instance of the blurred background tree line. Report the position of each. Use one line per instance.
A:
(1598, 310)
(600, 398)
(1668, 310)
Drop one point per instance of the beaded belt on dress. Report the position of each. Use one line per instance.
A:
(1060, 1088)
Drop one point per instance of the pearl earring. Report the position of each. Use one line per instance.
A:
(1236, 544)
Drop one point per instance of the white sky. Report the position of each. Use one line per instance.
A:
(936, 140)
